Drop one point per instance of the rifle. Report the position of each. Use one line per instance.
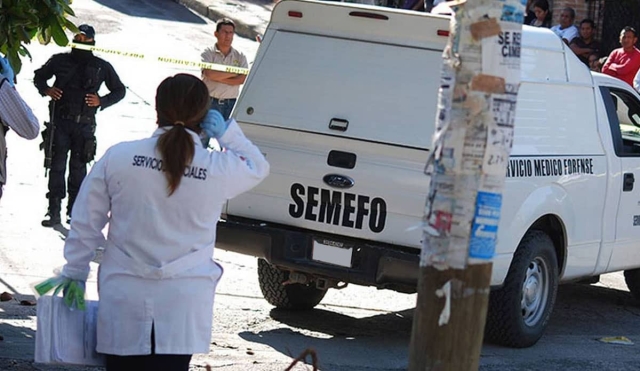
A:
(47, 138)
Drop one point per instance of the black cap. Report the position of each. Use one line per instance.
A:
(87, 30)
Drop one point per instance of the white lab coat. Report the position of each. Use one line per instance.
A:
(157, 266)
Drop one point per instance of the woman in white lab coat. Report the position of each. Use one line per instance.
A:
(162, 197)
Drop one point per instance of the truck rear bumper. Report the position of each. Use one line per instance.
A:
(383, 266)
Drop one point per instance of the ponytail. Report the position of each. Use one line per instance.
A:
(176, 148)
(182, 101)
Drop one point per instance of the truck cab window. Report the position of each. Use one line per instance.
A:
(624, 114)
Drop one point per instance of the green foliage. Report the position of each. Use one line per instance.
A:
(23, 20)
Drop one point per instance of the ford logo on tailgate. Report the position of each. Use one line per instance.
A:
(338, 181)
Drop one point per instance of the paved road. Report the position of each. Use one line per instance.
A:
(353, 329)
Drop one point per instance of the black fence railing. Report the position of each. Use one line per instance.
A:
(611, 16)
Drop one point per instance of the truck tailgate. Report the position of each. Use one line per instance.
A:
(339, 186)
(348, 88)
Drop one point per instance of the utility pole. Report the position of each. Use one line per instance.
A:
(471, 148)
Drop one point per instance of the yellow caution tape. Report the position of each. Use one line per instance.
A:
(161, 59)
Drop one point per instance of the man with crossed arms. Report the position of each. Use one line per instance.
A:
(224, 87)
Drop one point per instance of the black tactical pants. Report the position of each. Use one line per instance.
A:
(69, 136)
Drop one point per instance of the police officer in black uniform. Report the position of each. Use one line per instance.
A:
(75, 100)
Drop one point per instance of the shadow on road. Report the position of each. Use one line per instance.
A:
(64, 231)
(17, 349)
(582, 312)
(346, 334)
(586, 309)
(158, 9)
(17, 341)
(396, 325)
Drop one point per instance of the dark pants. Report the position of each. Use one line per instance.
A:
(151, 362)
(224, 106)
(69, 136)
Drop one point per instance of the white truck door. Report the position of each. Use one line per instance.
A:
(623, 108)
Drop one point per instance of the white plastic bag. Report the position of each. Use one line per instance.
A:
(64, 336)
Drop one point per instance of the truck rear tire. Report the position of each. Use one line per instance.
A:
(294, 296)
(520, 310)
(632, 278)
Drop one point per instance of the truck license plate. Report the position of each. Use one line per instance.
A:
(332, 252)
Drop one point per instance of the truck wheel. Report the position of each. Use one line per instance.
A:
(294, 296)
(632, 278)
(519, 311)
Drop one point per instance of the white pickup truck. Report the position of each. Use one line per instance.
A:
(342, 100)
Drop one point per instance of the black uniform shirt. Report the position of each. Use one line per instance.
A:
(80, 73)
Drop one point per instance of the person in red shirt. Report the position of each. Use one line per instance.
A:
(624, 62)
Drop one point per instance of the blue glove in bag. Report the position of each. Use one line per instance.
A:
(214, 125)
(7, 71)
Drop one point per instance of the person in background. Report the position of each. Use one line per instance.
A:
(162, 197)
(417, 5)
(542, 16)
(595, 63)
(566, 30)
(585, 46)
(624, 62)
(15, 114)
(73, 106)
(528, 12)
(442, 7)
(224, 87)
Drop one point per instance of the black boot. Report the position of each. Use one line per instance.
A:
(72, 200)
(53, 213)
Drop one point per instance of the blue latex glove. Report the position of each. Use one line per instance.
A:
(213, 124)
(7, 71)
(73, 290)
